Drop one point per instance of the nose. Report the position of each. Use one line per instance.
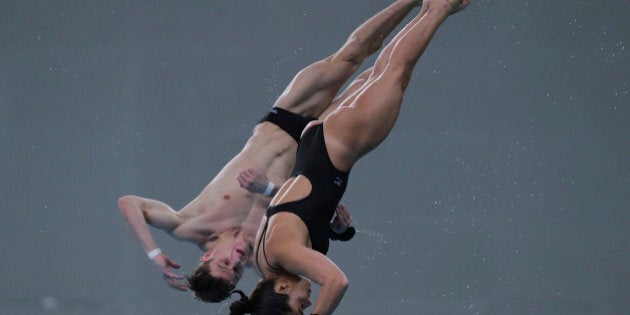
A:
(240, 252)
(225, 261)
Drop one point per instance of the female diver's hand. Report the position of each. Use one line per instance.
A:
(164, 264)
(253, 180)
(342, 219)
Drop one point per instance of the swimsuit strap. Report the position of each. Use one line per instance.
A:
(260, 242)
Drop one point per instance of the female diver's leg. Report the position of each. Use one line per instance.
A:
(313, 89)
(363, 122)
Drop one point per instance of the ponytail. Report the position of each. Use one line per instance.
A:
(242, 306)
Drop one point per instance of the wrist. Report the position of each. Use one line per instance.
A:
(347, 235)
(154, 252)
(442, 9)
(269, 189)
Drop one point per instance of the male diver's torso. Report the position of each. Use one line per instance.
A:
(223, 203)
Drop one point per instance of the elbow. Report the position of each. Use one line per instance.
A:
(339, 281)
(126, 204)
(343, 283)
(354, 51)
(363, 47)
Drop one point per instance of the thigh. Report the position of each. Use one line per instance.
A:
(314, 87)
(361, 125)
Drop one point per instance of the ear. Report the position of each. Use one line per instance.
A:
(206, 257)
(282, 286)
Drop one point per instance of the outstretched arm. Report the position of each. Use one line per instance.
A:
(140, 211)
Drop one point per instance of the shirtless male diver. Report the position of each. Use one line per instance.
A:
(223, 219)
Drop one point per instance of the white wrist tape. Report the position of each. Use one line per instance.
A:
(154, 253)
(269, 189)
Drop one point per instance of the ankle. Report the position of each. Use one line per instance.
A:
(443, 7)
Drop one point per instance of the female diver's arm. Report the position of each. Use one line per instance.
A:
(313, 265)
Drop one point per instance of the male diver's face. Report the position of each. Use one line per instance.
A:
(299, 296)
(227, 261)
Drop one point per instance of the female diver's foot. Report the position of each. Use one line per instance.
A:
(451, 6)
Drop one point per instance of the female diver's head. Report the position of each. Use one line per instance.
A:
(282, 295)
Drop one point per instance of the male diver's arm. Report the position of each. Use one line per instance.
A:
(318, 268)
(256, 182)
(140, 211)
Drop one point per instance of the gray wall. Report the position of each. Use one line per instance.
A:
(503, 188)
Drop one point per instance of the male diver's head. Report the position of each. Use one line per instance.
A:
(220, 268)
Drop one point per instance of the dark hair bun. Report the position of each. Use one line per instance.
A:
(242, 306)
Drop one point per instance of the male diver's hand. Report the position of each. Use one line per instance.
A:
(174, 280)
(342, 219)
(253, 180)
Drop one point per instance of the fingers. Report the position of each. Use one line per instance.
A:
(180, 287)
(248, 177)
(177, 285)
(170, 275)
(172, 280)
(344, 214)
(169, 263)
(244, 178)
(173, 264)
(241, 181)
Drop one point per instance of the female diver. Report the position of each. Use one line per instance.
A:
(292, 240)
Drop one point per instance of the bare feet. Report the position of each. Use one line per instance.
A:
(458, 5)
(452, 6)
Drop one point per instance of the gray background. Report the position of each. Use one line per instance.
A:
(503, 188)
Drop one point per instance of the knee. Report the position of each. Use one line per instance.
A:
(364, 45)
(355, 51)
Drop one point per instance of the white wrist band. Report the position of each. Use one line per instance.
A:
(269, 189)
(154, 253)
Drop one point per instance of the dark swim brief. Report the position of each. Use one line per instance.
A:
(291, 123)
